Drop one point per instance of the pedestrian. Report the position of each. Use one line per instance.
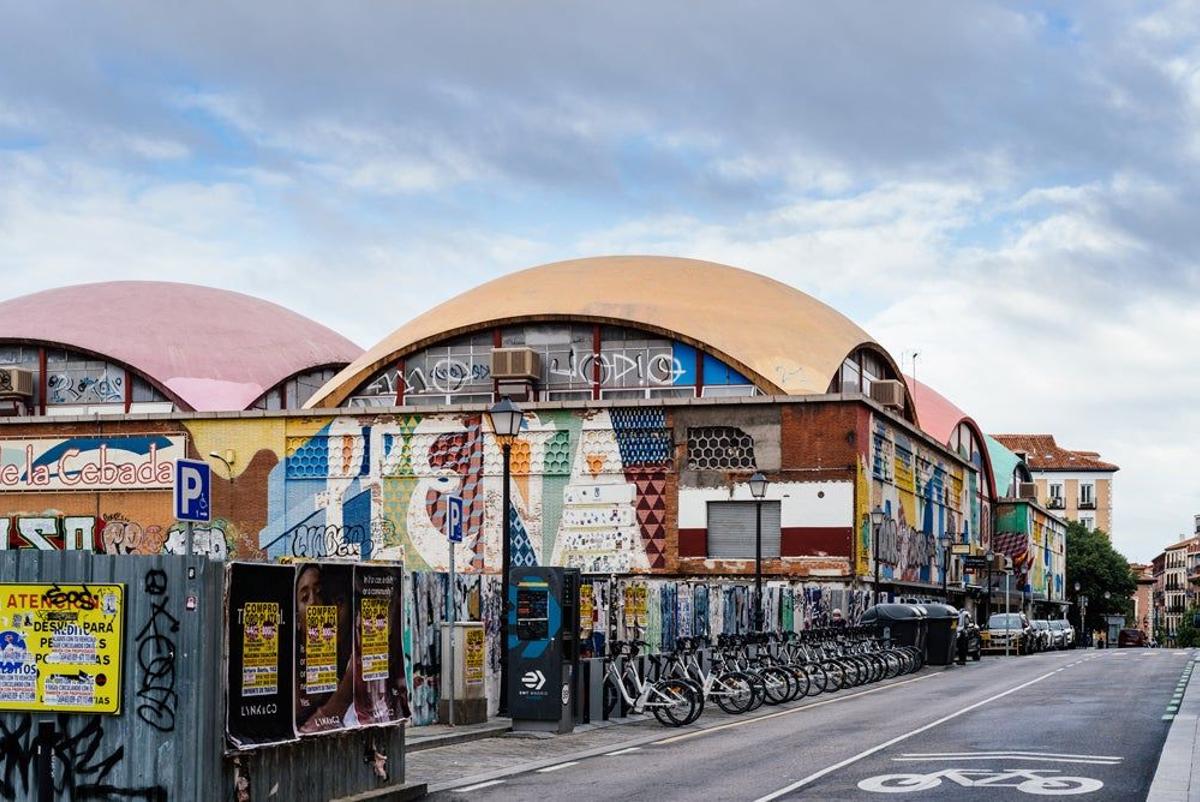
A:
(838, 622)
(964, 623)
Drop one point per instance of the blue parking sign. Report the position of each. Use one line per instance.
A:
(454, 518)
(193, 485)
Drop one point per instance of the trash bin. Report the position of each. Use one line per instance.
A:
(941, 621)
(902, 624)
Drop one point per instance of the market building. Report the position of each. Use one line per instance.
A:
(652, 388)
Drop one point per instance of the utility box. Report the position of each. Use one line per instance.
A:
(468, 669)
(543, 648)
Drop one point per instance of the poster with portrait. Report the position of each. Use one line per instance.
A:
(259, 638)
(324, 638)
(380, 690)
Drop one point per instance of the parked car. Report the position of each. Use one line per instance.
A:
(1068, 632)
(1011, 629)
(973, 636)
(1130, 638)
(1045, 635)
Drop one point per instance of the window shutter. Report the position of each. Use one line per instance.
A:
(731, 529)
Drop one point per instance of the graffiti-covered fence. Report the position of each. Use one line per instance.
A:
(111, 688)
(72, 645)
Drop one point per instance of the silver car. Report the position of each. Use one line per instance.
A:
(1067, 632)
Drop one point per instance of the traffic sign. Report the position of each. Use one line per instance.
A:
(960, 549)
(454, 518)
(972, 563)
(193, 486)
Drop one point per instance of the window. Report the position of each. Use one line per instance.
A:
(731, 529)
(1087, 498)
(1089, 523)
(1056, 490)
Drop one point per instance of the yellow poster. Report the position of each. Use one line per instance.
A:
(60, 647)
(474, 655)
(587, 606)
(636, 611)
(260, 649)
(320, 654)
(374, 633)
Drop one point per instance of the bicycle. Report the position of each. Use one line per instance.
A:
(674, 701)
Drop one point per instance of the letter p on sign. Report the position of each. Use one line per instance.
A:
(454, 518)
(193, 482)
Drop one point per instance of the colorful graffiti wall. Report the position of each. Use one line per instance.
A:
(924, 496)
(1036, 542)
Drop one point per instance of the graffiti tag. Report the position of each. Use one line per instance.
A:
(156, 658)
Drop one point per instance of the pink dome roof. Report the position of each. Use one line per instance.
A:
(212, 349)
(939, 418)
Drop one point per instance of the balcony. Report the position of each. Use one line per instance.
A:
(1090, 504)
(1056, 503)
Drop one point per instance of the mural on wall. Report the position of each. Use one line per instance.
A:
(923, 497)
(588, 491)
(111, 533)
(1036, 543)
(108, 462)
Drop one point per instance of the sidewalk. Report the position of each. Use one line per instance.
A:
(432, 736)
(1177, 777)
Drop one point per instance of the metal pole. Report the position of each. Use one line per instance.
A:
(189, 546)
(758, 599)
(1007, 620)
(450, 596)
(988, 613)
(506, 558)
(946, 572)
(875, 537)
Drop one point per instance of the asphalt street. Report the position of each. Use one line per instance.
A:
(1088, 724)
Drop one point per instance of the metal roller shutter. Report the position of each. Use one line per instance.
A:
(731, 529)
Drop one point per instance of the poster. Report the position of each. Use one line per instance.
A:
(259, 640)
(476, 651)
(324, 645)
(61, 646)
(260, 649)
(321, 665)
(381, 693)
(587, 609)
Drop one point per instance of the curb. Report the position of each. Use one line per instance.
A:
(1176, 777)
(417, 743)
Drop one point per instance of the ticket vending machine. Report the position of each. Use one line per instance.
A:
(543, 648)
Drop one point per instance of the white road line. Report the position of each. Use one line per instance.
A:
(623, 751)
(789, 711)
(1010, 752)
(891, 742)
(477, 786)
(1010, 757)
(559, 766)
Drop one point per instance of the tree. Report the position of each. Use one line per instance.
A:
(1186, 635)
(1097, 567)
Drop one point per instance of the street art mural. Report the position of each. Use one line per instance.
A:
(1036, 543)
(923, 497)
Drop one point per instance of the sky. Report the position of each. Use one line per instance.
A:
(1007, 189)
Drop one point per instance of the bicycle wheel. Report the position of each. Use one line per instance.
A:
(673, 703)
(779, 685)
(818, 679)
(733, 692)
(612, 698)
(802, 683)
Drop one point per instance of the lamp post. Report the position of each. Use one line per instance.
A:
(945, 541)
(506, 424)
(877, 518)
(758, 489)
(991, 558)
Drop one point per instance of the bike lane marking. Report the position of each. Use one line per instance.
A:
(566, 765)
(477, 786)
(1038, 757)
(893, 741)
(789, 711)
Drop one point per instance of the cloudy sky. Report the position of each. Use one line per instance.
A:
(1009, 189)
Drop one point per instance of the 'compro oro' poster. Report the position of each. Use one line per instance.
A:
(60, 647)
(260, 637)
(324, 647)
(380, 691)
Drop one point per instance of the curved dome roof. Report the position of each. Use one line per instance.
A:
(939, 418)
(212, 349)
(785, 340)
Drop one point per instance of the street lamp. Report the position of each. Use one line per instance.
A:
(877, 518)
(758, 489)
(991, 558)
(945, 540)
(506, 420)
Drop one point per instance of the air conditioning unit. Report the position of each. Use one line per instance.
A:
(16, 382)
(516, 363)
(889, 393)
(1027, 490)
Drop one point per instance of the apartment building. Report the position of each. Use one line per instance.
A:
(1172, 589)
(1075, 485)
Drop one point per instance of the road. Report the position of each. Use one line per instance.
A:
(1004, 728)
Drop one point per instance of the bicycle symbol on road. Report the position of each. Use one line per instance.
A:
(1039, 782)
